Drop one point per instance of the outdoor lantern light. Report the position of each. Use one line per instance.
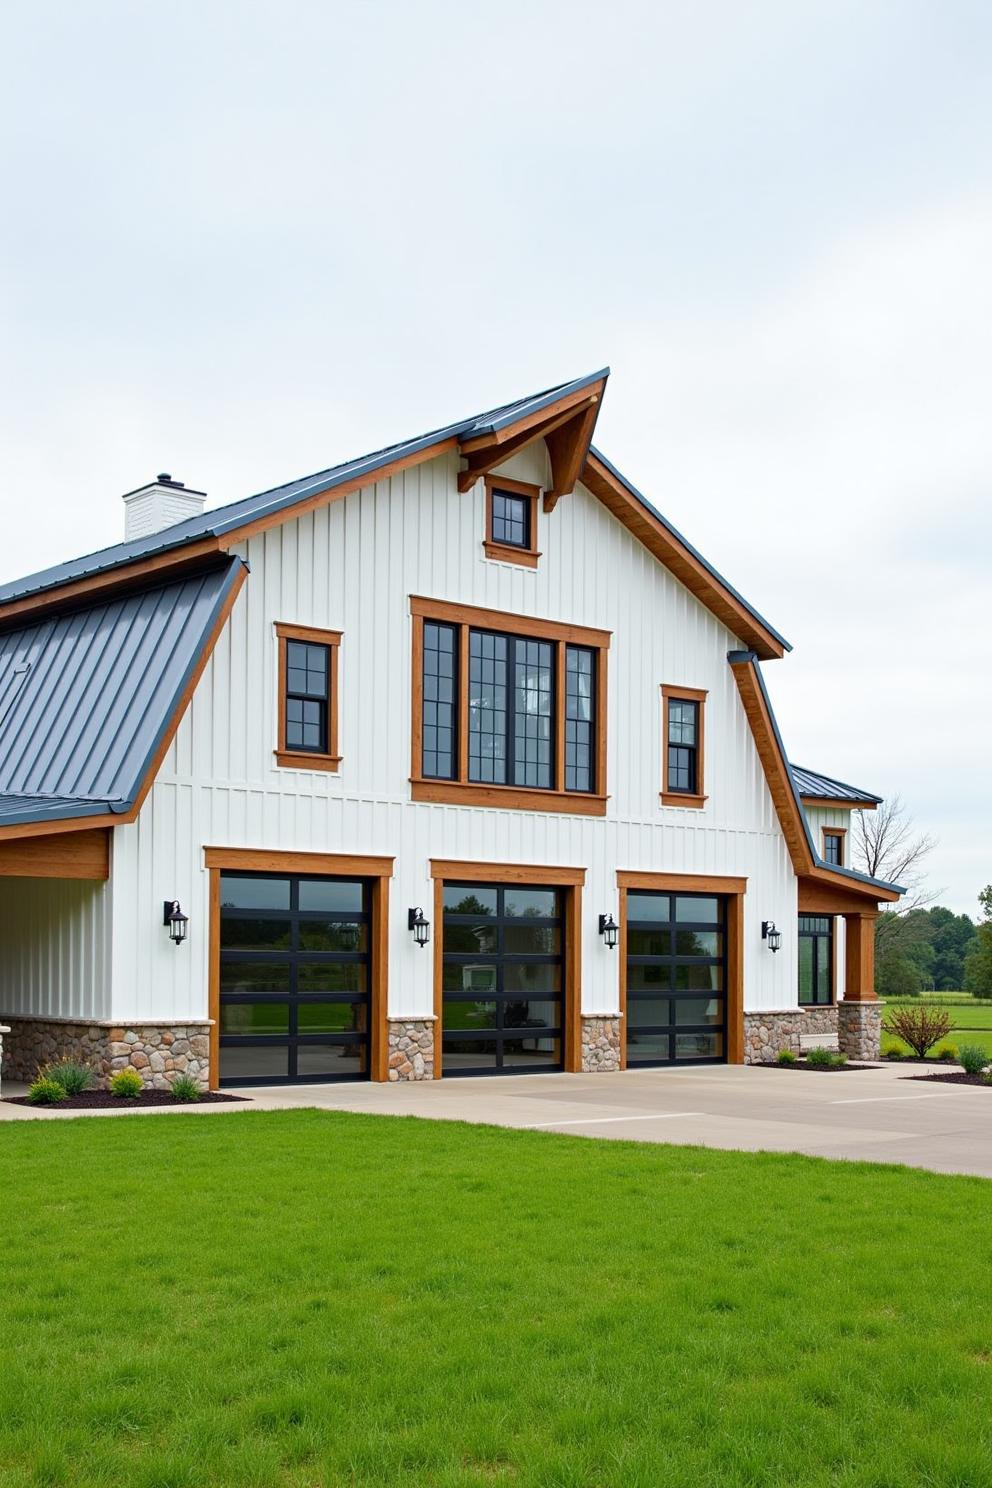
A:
(609, 930)
(773, 936)
(173, 916)
(418, 922)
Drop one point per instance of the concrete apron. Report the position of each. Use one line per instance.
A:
(874, 1115)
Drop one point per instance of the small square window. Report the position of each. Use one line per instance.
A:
(511, 522)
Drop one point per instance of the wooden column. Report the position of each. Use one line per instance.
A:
(860, 957)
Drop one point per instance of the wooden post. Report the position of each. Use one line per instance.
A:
(860, 960)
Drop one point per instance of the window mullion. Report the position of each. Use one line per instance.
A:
(560, 683)
(461, 721)
(510, 740)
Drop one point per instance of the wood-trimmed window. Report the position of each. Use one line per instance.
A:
(308, 698)
(511, 521)
(507, 710)
(816, 961)
(682, 753)
(833, 846)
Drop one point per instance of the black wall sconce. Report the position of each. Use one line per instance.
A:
(773, 936)
(609, 930)
(173, 917)
(418, 922)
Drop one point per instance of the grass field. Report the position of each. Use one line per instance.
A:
(309, 1299)
(972, 1020)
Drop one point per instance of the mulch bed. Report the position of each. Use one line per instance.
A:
(952, 1077)
(821, 1069)
(103, 1100)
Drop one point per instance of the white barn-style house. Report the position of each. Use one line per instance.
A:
(455, 759)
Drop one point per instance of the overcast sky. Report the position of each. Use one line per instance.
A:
(240, 243)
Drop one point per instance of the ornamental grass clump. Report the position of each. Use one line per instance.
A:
(127, 1083)
(785, 1057)
(71, 1074)
(919, 1027)
(45, 1092)
(973, 1059)
(186, 1088)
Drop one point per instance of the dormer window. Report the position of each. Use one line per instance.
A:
(511, 521)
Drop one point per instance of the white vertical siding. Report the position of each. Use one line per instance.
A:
(352, 566)
(56, 936)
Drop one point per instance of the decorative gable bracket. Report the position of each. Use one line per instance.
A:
(567, 426)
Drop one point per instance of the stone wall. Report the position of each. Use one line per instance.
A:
(600, 1043)
(766, 1033)
(859, 1026)
(411, 1048)
(157, 1051)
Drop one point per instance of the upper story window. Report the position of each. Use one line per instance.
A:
(682, 746)
(833, 846)
(508, 711)
(308, 698)
(511, 521)
(816, 960)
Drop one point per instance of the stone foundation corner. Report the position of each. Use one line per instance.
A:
(859, 1029)
(159, 1052)
(601, 1045)
(411, 1048)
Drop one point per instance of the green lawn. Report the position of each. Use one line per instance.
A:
(972, 1020)
(322, 1299)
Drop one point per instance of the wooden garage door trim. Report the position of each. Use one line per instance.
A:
(733, 889)
(572, 881)
(378, 870)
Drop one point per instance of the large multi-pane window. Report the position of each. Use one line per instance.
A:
(816, 937)
(507, 708)
(308, 702)
(682, 746)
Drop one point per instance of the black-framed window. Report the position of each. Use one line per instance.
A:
(833, 849)
(816, 960)
(502, 978)
(307, 696)
(683, 746)
(440, 694)
(580, 704)
(511, 519)
(295, 969)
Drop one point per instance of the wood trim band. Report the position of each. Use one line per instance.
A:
(694, 800)
(831, 804)
(78, 855)
(507, 553)
(505, 873)
(305, 759)
(513, 624)
(734, 890)
(507, 797)
(261, 860)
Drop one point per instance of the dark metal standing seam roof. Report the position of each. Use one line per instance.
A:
(812, 784)
(87, 695)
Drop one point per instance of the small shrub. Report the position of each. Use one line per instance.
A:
(820, 1058)
(785, 1056)
(45, 1092)
(72, 1074)
(893, 1054)
(973, 1059)
(185, 1088)
(919, 1027)
(947, 1052)
(127, 1083)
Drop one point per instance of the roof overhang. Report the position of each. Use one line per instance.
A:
(566, 424)
(856, 890)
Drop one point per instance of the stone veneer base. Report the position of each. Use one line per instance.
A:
(158, 1051)
(601, 1049)
(411, 1048)
(766, 1033)
(859, 1027)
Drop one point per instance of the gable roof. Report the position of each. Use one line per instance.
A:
(815, 787)
(90, 698)
(499, 429)
(806, 859)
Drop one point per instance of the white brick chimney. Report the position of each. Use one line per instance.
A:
(161, 504)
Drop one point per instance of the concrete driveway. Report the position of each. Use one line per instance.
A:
(875, 1115)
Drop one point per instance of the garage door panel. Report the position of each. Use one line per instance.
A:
(676, 1008)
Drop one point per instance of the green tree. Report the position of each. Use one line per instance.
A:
(897, 976)
(978, 962)
(953, 936)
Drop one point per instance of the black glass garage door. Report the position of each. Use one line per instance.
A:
(676, 978)
(294, 979)
(502, 970)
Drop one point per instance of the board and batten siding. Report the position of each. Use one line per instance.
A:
(352, 566)
(56, 939)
